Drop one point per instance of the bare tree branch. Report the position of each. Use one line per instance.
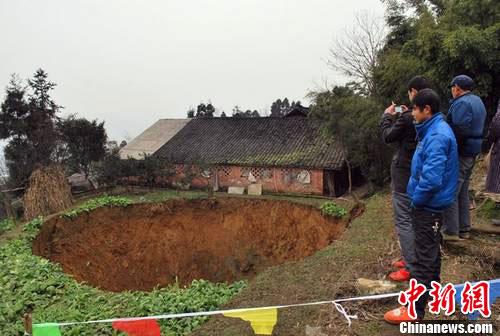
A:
(354, 54)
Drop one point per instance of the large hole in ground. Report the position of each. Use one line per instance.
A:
(147, 245)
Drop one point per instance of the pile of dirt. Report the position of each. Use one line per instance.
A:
(48, 192)
(147, 245)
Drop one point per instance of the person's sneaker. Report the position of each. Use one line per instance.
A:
(401, 275)
(450, 237)
(398, 315)
(399, 264)
(464, 235)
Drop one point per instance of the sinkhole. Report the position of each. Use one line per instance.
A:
(142, 246)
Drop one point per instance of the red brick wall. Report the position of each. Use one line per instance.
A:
(272, 179)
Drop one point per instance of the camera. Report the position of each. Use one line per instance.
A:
(399, 109)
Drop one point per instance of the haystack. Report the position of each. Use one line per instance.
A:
(48, 192)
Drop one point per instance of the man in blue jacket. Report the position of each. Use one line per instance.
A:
(466, 117)
(432, 188)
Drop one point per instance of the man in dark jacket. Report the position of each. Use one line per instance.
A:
(466, 117)
(398, 128)
(432, 188)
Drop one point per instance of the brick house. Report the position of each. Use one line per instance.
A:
(284, 154)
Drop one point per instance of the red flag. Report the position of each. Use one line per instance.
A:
(138, 327)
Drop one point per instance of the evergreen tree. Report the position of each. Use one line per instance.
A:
(27, 121)
(84, 142)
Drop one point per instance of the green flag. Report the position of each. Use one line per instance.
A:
(46, 329)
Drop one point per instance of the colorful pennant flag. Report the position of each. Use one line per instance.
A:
(138, 327)
(46, 329)
(261, 320)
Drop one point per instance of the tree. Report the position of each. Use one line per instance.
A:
(354, 54)
(27, 121)
(280, 107)
(353, 121)
(276, 108)
(190, 113)
(238, 113)
(84, 142)
(223, 114)
(210, 110)
(441, 39)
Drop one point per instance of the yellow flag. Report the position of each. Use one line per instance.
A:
(261, 320)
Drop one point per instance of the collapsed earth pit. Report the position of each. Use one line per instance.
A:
(142, 246)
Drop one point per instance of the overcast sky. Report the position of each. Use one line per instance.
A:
(132, 62)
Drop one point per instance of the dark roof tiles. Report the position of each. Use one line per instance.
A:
(282, 142)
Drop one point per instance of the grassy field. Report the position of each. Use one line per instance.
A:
(365, 250)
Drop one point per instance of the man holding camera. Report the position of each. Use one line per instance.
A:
(466, 117)
(398, 127)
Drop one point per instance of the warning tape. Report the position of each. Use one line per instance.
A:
(336, 304)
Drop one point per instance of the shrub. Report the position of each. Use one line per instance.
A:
(6, 224)
(490, 210)
(332, 209)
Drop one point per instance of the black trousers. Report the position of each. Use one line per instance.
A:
(427, 267)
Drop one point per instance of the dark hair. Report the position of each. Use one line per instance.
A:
(418, 83)
(427, 97)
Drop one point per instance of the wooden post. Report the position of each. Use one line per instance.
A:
(28, 320)
(28, 324)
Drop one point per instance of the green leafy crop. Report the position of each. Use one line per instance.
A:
(95, 203)
(6, 224)
(26, 279)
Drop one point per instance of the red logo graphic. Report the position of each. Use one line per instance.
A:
(442, 298)
(410, 296)
(476, 298)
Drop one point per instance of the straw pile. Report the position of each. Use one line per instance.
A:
(48, 192)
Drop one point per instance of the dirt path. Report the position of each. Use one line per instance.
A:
(365, 250)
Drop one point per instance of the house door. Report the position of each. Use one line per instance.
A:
(329, 183)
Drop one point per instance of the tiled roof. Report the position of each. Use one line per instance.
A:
(281, 142)
(152, 138)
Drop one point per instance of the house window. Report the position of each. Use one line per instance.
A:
(267, 173)
(245, 171)
(256, 172)
(224, 171)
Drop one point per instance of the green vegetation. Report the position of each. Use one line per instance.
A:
(6, 224)
(166, 194)
(438, 39)
(26, 279)
(116, 201)
(332, 209)
(489, 210)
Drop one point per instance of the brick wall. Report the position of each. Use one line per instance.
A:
(272, 179)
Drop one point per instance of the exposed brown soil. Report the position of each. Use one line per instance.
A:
(147, 245)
